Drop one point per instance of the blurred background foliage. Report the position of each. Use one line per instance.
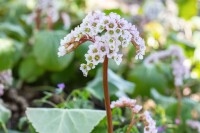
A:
(31, 55)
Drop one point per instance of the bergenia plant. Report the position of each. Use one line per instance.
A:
(180, 70)
(108, 34)
(47, 11)
(137, 114)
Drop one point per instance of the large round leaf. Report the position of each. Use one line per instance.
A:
(5, 114)
(6, 54)
(46, 49)
(146, 78)
(64, 120)
(29, 70)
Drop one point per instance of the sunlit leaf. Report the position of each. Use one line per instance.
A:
(14, 31)
(29, 70)
(46, 49)
(5, 114)
(64, 120)
(6, 54)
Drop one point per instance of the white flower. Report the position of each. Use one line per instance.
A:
(66, 20)
(118, 59)
(90, 65)
(84, 68)
(111, 25)
(98, 58)
(151, 127)
(149, 123)
(89, 57)
(93, 49)
(103, 48)
(137, 108)
(48, 8)
(114, 16)
(118, 32)
(62, 51)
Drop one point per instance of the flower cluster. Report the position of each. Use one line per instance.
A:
(180, 70)
(5, 80)
(126, 102)
(145, 117)
(60, 88)
(150, 124)
(46, 8)
(194, 124)
(108, 34)
(49, 8)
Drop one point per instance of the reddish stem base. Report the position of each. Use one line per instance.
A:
(106, 95)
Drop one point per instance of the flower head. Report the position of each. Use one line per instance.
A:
(194, 124)
(108, 35)
(180, 70)
(145, 117)
(150, 124)
(177, 121)
(61, 85)
(47, 8)
(60, 88)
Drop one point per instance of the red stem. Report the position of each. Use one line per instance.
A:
(133, 122)
(49, 23)
(106, 95)
(179, 96)
(37, 19)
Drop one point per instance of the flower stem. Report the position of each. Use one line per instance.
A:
(37, 19)
(133, 121)
(106, 95)
(49, 23)
(178, 94)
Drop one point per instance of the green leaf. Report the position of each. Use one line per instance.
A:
(5, 114)
(170, 104)
(188, 8)
(14, 31)
(6, 54)
(117, 86)
(46, 49)
(29, 70)
(11, 131)
(64, 120)
(162, 100)
(146, 78)
(101, 127)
